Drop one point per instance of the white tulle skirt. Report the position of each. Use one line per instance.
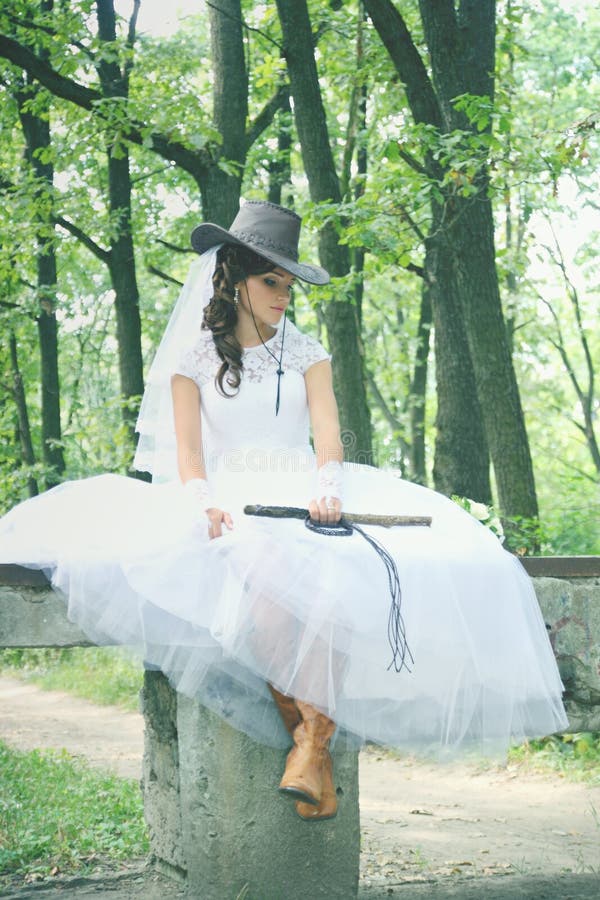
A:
(273, 601)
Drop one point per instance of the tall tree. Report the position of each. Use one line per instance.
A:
(324, 186)
(34, 113)
(461, 464)
(23, 428)
(207, 164)
(218, 173)
(114, 80)
(461, 45)
(418, 388)
(220, 187)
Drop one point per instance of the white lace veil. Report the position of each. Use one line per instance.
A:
(157, 449)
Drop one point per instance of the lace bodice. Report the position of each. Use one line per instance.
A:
(247, 419)
(300, 352)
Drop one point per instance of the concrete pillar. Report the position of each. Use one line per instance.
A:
(160, 775)
(241, 837)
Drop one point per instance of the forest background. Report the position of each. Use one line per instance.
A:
(444, 156)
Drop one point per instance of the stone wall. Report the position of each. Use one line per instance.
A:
(33, 615)
(571, 609)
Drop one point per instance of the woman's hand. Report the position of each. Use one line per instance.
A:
(327, 510)
(216, 519)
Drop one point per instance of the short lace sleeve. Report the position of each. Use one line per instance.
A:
(312, 352)
(200, 362)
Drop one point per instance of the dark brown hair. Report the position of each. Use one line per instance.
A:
(234, 264)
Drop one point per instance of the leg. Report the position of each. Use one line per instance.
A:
(310, 666)
(309, 757)
(326, 808)
(287, 709)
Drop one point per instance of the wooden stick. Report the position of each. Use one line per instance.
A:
(294, 512)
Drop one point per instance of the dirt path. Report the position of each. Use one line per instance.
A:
(427, 831)
(106, 736)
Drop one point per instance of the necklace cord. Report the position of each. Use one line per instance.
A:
(280, 371)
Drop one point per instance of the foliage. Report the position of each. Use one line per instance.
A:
(537, 136)
(104, 675)
(575, 756)
(484, 514)
(560, 532)
(85, 815)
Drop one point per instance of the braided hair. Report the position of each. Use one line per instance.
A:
(234, 264)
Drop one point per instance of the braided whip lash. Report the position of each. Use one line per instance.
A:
(401, 655)
(396, 629)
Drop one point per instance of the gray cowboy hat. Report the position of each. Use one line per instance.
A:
(271, 231)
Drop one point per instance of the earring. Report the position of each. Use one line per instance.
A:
(236, 298)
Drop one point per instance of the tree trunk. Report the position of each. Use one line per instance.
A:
(280, 168)
(280, 174)
(418, 388)
(37, 136)
(362, 159)
(123, 275)
(36, 130)
(461, 48)
(121, 260)
(340, 315)
(220, 189)
(461, 464)
(497, 389)
(22, 415)
(359, 142)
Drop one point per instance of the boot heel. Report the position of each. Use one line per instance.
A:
(327, 808)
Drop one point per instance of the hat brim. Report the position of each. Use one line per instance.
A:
(207, 235)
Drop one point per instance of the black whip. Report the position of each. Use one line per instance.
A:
(345, 527)
(396, 629)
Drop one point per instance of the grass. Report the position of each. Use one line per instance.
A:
(59, 815)
(575, 757)
(109, 675)
(103, 675)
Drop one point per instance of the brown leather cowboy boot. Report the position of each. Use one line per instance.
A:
(303, 776)
(327, 808)
(287, 709)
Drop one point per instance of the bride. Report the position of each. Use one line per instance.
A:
(425, 637)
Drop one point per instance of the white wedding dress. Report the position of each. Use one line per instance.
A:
(273, 601)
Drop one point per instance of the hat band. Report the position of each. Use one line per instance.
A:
(260, 240)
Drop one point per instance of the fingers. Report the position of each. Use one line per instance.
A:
(327, 510)
(313, 509)
(333, 509)
(214, 523)
(216, 519)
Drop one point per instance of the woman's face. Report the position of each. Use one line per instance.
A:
(269, 294)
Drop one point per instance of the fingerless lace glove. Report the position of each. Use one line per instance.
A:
(330, 479)
(198, 492)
